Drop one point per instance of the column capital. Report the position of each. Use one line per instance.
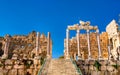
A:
(67, 30)
(88, 30)
(78, 30)
(38, 33)
(97, 30)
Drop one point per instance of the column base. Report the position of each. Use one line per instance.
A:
(89, 57)
(67, 57)
(37, 57)
(4, 56)
(100, 58)
(48, 56)
(80, 58)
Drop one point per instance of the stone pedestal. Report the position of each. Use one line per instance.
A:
(67, 57)
(5, 56)
(103, 68)
(110, 68)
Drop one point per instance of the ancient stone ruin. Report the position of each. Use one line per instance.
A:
(24, 54)
(95, 53)
(89, 53)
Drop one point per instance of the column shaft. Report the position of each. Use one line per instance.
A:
(6, 47)
(74, 56)
(78, 44)
(37, 43)
(88, 40)
(48, 44)
(109, 52)
(98, 40)
(67, 42)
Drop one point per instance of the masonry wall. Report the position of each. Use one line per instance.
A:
(93, 45)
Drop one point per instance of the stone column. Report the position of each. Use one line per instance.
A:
(6, 47)
(88, 40)
(109, 53)
(50, 47)
(109, 49)
(118, 47)
(98, 40)
(78, 44)
(74, 56)
(37, 43)
(67, 44)
(48, 44)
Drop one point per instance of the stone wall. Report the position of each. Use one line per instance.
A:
(93, 45)
(104, 44)
(90, 67)
(18, 67)
(22, 59)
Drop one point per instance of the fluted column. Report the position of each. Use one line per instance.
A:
(67, 44)
(98, 41)
(48, 44)
(37, 43)
(78, 44)
(88, 40)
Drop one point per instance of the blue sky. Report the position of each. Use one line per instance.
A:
(24, 16)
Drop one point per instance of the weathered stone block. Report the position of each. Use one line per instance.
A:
(30, 71)
(21, 72)
(118, 62)
(91, 62)
(95, 73)
(8, 67)
(112, 63)
(86, 68)
(13, 72)
(103, 68)
(103, 62)
(91, 67)
(1, 72)
(110, 68)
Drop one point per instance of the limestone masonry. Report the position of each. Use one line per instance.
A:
(88, 53)
(92, 45)
(24, 54)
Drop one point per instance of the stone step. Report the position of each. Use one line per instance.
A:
(61, 67)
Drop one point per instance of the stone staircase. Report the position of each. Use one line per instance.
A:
(61, 67)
